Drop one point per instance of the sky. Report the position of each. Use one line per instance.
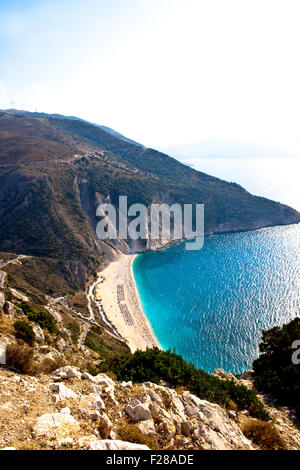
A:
(162, 72)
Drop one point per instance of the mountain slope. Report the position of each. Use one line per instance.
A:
(54, 171)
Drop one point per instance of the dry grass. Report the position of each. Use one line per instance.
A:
(263, 434)
(19, 357)
(131, 433)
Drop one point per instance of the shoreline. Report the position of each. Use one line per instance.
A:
(118, 295)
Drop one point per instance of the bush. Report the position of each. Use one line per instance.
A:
(93, 341)
(24, 332)
(19, 357)
(263, 434)
(75, 331)
(40, 316)
(155, 365)
(274, 371)
(131, 433)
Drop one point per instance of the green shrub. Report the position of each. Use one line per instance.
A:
(274, 371)
(154, 365)
(40, 316)
(24, 332)
(75, 331)
(93, 342)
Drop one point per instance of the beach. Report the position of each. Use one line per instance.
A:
(119, 301)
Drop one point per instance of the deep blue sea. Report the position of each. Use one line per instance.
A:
(212, 305)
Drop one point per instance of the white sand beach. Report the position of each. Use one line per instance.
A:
(120, 301)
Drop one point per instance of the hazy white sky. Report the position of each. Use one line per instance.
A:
(159, 71)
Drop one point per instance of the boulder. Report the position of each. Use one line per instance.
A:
(61, 344)
(62, 392)
(96, 401)
(187, 428)
(107, 383)
(2, 300)
(221, 374)
(247, 375)
(93, 415)
(8, 308)
(147, 427)
(39, 334)
(214, 430)
(55, 424)
(138, 413)
(114, 445)
(67, 372)
(87, 376)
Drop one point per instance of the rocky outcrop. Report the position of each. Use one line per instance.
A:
(80, 411)
(114, 445)
(55, 425)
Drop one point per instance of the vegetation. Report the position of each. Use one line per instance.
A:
(59, 218)
(131, 433)
(274, 370)
(93, 341)
(24, 332)
(263, 434)
(155, 365)
(40, 316)
(104, 344)
(74, 328)
(19, 357)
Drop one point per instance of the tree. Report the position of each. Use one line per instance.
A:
(274, 371)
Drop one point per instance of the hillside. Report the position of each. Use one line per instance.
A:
(67, 384)
(53, 173)
(55, 170)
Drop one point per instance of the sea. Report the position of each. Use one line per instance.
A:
(212, 305)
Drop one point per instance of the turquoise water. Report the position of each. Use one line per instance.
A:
(212, 304)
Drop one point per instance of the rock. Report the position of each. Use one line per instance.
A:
(232, 414)
(8, 308)
(221, 374)
(138, 413)
(54, 424)
(114, 445)
(147, 427)
(127, 385)
(2, 300)
(187, 428)
(97, 389)
(105, 426)
(65, 441)
(85, 440)
(8, 448)
(213, 428)
(39, 334)
(107, 383)
(96, 401)
(93, 415)
(62, 392)
(65, 411)
(245, 413)
(61, 344)
(247, 375)
(87, 376)
(67, 372)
